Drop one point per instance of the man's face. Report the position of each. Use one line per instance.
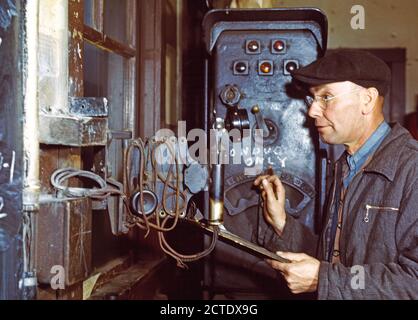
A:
(338, 121)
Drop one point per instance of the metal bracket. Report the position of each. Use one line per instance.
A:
(88, 107)
(86, 124)
(118, 214)
(119, 135)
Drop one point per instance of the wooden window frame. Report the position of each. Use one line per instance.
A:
(82, 32)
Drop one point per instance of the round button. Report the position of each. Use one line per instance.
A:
(240, 67)
(278, 45)
(265, 67)
(291, 66)
(253, 46)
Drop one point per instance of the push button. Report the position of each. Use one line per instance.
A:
(278, 46)
(265, 68)
(253, 47)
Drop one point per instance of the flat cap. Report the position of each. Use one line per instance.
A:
(357, 66)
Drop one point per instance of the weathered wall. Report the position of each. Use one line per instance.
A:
(10, 150)
(53, 56)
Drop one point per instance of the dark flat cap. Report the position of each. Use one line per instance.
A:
(360, 67)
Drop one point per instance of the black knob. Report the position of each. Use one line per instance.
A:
(291, 66)
(253, 46)
(240, 67)
(237, 119)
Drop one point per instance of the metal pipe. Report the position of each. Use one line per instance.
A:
(31, 183)
(216, 192)
(216, 185)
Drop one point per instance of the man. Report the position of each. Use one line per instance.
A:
(368, 247)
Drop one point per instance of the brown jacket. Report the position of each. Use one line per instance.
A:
(380, 229)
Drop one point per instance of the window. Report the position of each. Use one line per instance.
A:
(109, 70)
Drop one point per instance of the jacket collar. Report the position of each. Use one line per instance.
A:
(386, 158)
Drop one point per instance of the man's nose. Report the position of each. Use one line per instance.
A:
(315, 110)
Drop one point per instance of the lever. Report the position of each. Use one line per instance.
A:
(261, 124)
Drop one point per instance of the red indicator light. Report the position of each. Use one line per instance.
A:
(265, 67)
(278, 45)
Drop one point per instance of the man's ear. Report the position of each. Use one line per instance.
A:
(369, 99)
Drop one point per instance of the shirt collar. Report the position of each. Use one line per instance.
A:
(356, 160)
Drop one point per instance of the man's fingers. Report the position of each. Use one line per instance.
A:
(272, 178)
(282, 267)
(294, 257)
(280, 191)
(257, 181)
(268, 189)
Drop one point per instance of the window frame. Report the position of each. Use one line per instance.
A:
(82, 32)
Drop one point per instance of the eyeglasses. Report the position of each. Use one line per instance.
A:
(324, 100)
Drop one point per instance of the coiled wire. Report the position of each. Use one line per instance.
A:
(103, 190)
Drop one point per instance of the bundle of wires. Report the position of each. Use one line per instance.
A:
(61, 175)
(157, 174)
(147, 160)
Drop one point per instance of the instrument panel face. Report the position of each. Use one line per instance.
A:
(250, 70)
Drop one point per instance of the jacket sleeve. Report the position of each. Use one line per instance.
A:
(296, 237)
(395, 280)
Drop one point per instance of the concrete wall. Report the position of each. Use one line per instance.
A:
(389, 24)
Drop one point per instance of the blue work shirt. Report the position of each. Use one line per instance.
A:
(356, 161)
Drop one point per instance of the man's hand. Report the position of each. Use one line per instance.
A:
(273, 194)
(301, 273)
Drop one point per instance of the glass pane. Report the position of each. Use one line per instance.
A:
(104, 77)
(171, 112)
(92, 13)
(115, 19)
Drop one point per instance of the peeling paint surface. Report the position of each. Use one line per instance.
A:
(7, 12)
(53, 56)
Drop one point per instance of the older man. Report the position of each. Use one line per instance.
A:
(368, 247)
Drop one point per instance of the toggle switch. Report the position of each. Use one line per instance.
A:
(261, 124)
